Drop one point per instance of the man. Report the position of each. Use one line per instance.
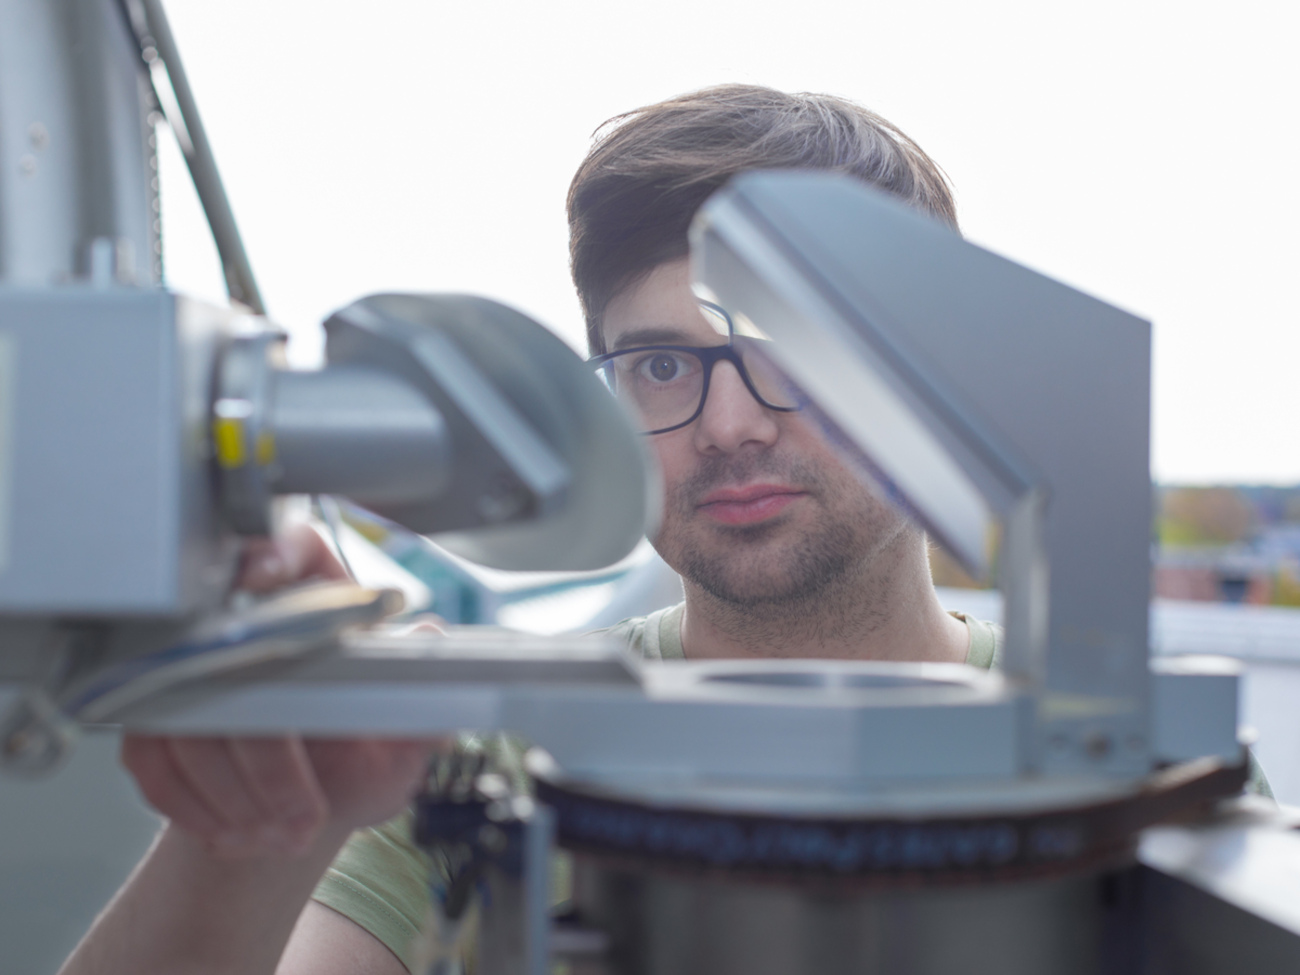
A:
(782, 550)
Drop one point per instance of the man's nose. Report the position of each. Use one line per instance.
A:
(732, 417)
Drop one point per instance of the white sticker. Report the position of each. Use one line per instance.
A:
(8, 379)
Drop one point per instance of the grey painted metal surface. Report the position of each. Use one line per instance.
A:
(1266, 639)
(1186, 930)
(1248, 857)
(449, 414)
(665, 924)
(357, 432)
(111, 511)
(1024, 382)
(117, 461)
(502, 468)
(76, 152)
(515, 398)
(865, 727)
(1194, 708)
(580, 701)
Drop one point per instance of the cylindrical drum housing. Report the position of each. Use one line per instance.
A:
(665, 923)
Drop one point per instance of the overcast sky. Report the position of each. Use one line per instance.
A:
(1144, 152)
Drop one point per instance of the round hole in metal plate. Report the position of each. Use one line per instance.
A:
(827, 679)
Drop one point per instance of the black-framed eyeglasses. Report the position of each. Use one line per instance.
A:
(665, 386)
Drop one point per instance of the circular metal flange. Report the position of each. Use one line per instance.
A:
(890, 850)
(614, 494)
(242, 439)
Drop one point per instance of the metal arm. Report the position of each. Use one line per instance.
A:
(159, 51)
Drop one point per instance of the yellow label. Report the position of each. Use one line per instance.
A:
(228, 436)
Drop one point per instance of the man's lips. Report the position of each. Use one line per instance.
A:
(749, 504)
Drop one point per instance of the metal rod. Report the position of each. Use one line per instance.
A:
(238, 272)
(539, 845)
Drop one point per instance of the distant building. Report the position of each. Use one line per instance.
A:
(1228, 544)
(1213, 575)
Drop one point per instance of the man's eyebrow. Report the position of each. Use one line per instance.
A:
(650, 336)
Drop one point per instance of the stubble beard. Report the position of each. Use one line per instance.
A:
(766, 572)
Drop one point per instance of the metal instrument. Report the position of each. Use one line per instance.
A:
(787, 817)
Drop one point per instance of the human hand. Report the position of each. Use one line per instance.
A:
(296, 554)
(251, 797)
(247, 797)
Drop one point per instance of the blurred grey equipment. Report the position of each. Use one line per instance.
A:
(781, 816)
(141, 432)
(978, 391)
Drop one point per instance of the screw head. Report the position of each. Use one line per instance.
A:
(1097, 745)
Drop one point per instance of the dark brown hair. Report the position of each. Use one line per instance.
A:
(632, 199)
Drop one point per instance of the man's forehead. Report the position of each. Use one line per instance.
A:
(660, 308)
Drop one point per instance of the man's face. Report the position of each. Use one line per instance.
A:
(757, 507)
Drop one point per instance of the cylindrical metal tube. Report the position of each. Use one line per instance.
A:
(356, 432)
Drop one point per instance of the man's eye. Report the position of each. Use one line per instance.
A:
(662, 367)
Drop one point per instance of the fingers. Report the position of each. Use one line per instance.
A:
(255, 797)
(294, 555)
(283, 784)
(369, 781)
(150, 762)
(244, 798)
(208, 768)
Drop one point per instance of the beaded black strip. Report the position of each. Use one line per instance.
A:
(948, 849)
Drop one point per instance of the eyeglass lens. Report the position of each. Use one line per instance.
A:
(665, 387)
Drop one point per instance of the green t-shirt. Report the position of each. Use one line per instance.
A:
(381, 879)
(659, 637)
